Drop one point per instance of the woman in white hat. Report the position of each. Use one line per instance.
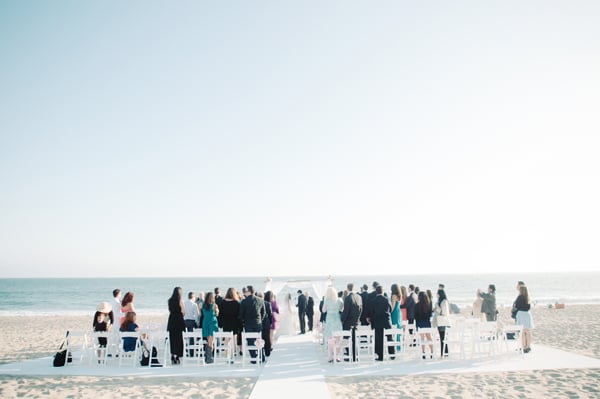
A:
(103, 320)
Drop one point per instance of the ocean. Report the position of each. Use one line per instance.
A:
(80, 296)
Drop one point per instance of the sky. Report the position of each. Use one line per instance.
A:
(309, 138)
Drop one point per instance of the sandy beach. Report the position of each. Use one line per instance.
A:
(573, 329)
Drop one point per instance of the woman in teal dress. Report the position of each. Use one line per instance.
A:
(396, 314)
(210, 312)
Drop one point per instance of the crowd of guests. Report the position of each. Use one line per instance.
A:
(344, 310)
(236, 312)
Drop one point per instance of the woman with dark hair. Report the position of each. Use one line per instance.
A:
(441, 313)
(396, 300)
(403, 295)
(176, 325)
(126, 305)
(129, 325)
(270, 297)
(210, 312)
(266, 325)
(423, 318)
(229, 311)
(523, 305)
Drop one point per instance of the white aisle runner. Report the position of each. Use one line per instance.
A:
(292, 371)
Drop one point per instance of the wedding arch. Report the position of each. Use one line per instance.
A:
(319, 286)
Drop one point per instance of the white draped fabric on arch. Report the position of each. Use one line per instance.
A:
(318, 286)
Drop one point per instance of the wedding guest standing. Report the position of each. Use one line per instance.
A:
(523, 307)
(403, 295)
(310, 310)
(192, 315)
(126, 305)
(332, 306)
(176, 325)
(270, 297)
(266, 326)
(116, 304)
(210, 325)
(380, 320)
(229, 311)
(351, 315)
(441, 313)
(488, 306)
(364, 296)
(301, 305)
(396, 299)
(423, 312)
(252, 313)
(410, 304)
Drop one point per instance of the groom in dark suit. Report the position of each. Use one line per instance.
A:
(301, 311)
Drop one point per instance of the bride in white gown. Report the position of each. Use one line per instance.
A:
(287, 317)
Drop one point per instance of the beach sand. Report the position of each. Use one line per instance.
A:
(575, 329)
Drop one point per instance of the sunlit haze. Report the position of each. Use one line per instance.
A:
(249, 138)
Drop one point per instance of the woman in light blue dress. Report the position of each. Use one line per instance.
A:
(333, 306)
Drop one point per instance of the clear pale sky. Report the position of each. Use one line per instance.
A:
(314, 138)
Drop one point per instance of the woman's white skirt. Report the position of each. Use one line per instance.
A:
(524, 319)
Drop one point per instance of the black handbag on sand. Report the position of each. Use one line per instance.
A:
(62, 356)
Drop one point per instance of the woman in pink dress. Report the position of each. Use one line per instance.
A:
(126, 306)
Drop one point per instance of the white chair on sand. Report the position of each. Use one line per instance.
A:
(158, 339)
(365, 343)
(409, 337)
(427, 342)
(343, 349)
(193, 347)
(100, 342)
(252, 348)
(78, 345)
(223, 344)
(511, 339)
(130, 356)
(454, 340)
(392, 338)
(485, 340)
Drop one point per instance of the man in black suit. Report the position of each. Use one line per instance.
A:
(310, 310)
(301, 311)
(252, 314)
(351, 315)
(380, 319)
(364, 294)
(368, 307)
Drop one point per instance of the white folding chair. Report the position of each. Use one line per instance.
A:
(511, 338)
(392, 338)
(158, 339)
(78, 346)
(409, 337)
(485, 340)
(426, 338)
(252, 347)
(126, 355)
(100, 342)
(365, 343)
(193, 347)
(343, 349)
(454, 339)
(223, 344)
